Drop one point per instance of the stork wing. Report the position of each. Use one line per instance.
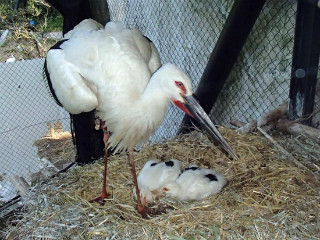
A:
(73, 92)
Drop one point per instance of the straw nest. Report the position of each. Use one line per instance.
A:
(266, 197)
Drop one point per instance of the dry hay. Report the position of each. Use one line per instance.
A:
(303, 149)
(266, 198)
(57, 148)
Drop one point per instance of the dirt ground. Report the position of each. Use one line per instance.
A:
(55, 150)
(27, 46)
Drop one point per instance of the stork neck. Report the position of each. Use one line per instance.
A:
(154, 96)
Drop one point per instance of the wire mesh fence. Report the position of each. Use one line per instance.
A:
(26, 108)
(260, 79)
(185, 34)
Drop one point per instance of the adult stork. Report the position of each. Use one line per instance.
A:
(117, 71)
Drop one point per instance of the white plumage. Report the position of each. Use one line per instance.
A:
(154, 175)
(195, 183)
(87, 25)
(111, 70)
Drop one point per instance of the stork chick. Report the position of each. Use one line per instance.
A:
(195, 183)
(155, 174)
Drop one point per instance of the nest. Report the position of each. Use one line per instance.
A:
(266, 197)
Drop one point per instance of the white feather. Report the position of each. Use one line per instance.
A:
(69, 84)
(84, 26)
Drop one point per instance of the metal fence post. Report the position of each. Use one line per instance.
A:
(237, 28)
(305, 61)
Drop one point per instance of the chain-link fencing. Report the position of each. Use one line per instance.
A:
(260, 79)
(25, 108)
(185, 33)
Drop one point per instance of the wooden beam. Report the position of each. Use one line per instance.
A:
(305, 61)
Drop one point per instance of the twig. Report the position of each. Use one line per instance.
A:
(306, 117)
(249, 127)
(298, 129)
(285, 152)
(236, 123)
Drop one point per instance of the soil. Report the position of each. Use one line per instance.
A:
(23, 48)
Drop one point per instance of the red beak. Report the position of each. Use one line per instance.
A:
(182, 107)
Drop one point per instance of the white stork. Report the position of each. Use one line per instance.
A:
(195, 183)
(117, 71)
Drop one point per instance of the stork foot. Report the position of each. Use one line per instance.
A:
(101, 199)
(147, 212)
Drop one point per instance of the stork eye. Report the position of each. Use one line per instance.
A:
(181, 86)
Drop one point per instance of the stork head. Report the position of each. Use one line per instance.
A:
(177, 86)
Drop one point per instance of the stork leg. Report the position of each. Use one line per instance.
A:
(104, 195)
(142, 209)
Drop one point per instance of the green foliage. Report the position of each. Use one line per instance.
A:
(4, 10)
(54, 23)
(26, 25)
(45, 18)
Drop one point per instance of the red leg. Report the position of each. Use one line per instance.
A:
(140, 207)
(104, 195)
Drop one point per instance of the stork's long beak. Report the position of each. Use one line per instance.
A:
(197, 112)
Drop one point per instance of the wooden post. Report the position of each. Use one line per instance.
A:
(305, 60)
(100, 11)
